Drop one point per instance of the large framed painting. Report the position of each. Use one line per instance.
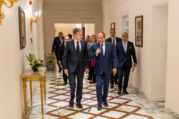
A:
(22, 28)
(113, 26)
(139, 31)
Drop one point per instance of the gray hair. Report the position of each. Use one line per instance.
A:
(66, 37)
(76, 30)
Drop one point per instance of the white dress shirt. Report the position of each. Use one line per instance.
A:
(114, 40)
(103, 49)
(123, 45)
(75, 43)
(61, 40)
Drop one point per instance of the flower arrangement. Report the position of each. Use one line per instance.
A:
(35, 63)
(49, 58)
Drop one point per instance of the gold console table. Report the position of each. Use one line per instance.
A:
(30, 75)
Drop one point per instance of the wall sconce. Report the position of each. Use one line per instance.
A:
(2, 2)
(36, 20)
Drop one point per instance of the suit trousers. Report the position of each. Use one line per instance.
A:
(64, 76)
(92, 75)
(59, 66)
(113, 78)
(72, 83)
(102, 80)
(124, 70)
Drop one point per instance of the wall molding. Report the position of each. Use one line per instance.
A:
(71, 7)
(74, 16)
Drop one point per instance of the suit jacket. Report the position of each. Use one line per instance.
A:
(103, 63)
(110, 40)
(122, 56)
(61, 52)
(71, 59)
(56, 47)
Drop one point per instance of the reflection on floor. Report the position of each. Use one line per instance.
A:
(132, 106)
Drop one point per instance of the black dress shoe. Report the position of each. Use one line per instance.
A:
(99, 107)
(79, 105)
(65, 83)
(105, 104)
(112, 86)
(125, 92)
(71, 104)
(119, 92)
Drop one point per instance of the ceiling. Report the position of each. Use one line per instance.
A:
(83, 1)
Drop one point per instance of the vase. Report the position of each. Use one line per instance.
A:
(50, 66)
(34, 69)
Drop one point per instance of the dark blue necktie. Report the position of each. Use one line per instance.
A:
(102, 49)
(78, 48)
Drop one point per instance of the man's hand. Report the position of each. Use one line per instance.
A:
(66, 71)
(59, 62)
(98, 51)
(87, 71)
(114, 71)
(135, 64)
(53, 53)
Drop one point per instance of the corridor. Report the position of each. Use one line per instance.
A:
(132, 106)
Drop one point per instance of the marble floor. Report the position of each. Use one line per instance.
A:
(131, 106)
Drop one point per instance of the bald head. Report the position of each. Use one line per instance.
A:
(125, 36)
(60, 34)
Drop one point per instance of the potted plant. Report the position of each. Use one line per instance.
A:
(35, 63)
(49, 59)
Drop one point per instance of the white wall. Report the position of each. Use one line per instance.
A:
(69, 11)
(13, 61)
(159, 52)
(143, 78)
(89, 29)
(172, 94)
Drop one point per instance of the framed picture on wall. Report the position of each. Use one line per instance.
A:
(113, 26)
(139, 31)
(22, 28)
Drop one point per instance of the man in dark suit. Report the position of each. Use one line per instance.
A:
(70, 36)
(75, 60)
(61, 53)
(125, 50)
(113, 39)
(57, 47)
(103, 52)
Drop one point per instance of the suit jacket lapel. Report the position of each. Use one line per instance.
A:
(82, 46)
(105, 49)
(110, 40)
(73, 45)
(122, 47)
(59, 40)
(127, 46)
(99, 47)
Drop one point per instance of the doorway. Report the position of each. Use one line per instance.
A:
(88, 28)
(125, 23)
(159, 52)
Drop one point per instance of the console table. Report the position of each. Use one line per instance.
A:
(30, 75)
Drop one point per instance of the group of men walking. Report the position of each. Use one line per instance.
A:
(112, 61)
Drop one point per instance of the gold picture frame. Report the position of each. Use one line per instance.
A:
(113, 26)
(22, 28)
(139, 31)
